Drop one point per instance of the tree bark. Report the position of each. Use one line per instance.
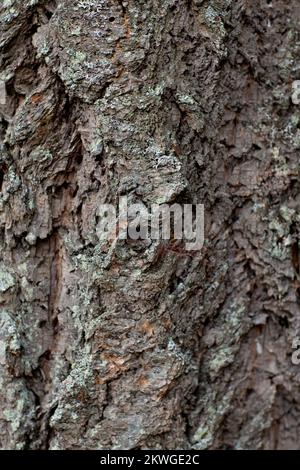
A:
(136, 345)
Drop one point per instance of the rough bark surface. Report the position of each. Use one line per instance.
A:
(139, 345)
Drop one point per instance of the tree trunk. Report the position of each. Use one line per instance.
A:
(135, 345)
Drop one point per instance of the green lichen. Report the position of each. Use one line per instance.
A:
(287, 214)
(210, 420)
(185, 99)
